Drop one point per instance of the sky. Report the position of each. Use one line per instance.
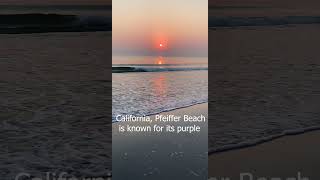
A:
(166, 27)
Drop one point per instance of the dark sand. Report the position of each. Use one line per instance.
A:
(283, 157)
(260, 74)
(162, 155)
(265, 73)
(55, 110)
(264, 8)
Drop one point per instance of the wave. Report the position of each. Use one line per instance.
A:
(262, 140)
(138, 94)
(155, 69)
(42, 23)
(261, 21)
(165, 109)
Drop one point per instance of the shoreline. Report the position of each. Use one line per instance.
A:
(160, 149)
(265, 91)
(263, 140)
(283, 157)
(171, 110)
(244, 145)
(60, 106)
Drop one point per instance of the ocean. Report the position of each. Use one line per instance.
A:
(57, 9)
(264, 83)
(55, 104)
(147, 89)
(159, 85)
(16, 19)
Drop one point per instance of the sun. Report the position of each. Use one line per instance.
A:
(159, 62)
(161, 44)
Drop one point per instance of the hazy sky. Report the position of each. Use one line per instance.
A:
(166, 27)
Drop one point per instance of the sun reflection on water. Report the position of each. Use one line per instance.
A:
(160, 60)
(160, 85)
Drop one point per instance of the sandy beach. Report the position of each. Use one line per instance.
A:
(263, 8)
(284, 157)
(55, 106)
(162, 155)
(265, 83)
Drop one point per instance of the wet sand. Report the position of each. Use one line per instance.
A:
(163, 155)
(284, 157)
(55, 108)
(263, 81)
(263, 8)
(264, 74)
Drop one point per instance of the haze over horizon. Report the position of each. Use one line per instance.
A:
(169, 28)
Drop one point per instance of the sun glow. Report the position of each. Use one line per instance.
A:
(160, 43)
(160, 60)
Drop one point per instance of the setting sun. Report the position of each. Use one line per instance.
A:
(160, 43)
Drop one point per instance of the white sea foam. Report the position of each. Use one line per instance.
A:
(155, 92)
